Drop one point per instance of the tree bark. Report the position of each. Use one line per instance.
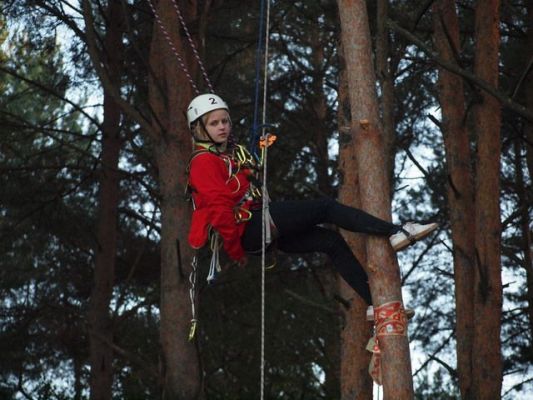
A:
(526, 230)
(523, 206)
(387, 85)
(100, 324)
(355, 359)
(487, 362)
(529, 88)
(319, 107)
(460, 195)
(78, 373)
(169, 93)
(382, 265)
(318, 128)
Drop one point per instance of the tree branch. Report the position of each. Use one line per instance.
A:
(448, 367)
(108, 86)
(62, 17)
(415, 161)
(433, 356)
(505, 100)
(52, 92)
(137, 359)
(311, 303)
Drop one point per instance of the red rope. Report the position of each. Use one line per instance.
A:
(171, 44)
(192, 45)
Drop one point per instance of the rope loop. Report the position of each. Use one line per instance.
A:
(192, 295)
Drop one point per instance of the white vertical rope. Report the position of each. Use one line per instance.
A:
(265, 203)
(263, 270)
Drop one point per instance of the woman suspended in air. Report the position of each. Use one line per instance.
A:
(227, 200)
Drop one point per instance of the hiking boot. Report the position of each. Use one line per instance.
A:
(410, 233)
(409, 313)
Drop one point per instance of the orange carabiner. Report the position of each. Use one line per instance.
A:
(267, 140)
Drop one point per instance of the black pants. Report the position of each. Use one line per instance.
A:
(296, 222)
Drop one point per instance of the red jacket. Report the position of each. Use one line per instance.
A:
(216, 194)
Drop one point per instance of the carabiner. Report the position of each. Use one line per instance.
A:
(242, 215)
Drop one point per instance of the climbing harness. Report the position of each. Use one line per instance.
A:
(181, 63)
(239, 159)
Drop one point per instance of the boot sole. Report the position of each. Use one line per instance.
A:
(406, 242)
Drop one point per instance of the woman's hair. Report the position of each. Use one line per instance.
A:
(198, 128)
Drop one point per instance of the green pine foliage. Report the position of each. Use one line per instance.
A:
(49, 160)
(46, 204)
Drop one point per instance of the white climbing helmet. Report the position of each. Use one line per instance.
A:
(203, 104)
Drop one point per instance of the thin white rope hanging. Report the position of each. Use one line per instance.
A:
(265, 214)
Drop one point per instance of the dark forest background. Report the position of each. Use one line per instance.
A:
(54, 123)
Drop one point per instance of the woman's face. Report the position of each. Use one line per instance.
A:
(218, 126)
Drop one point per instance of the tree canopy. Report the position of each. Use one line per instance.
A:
(51, 144)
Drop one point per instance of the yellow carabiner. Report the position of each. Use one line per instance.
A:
(242, 215)
(242, 155)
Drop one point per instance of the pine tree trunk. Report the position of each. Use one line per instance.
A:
(78, 376)
(523, 206)
(487, 361)
(355, 359)
(386, 84)
(319, 108)
(170, 92)
(318, 128)
(528, 83)
(382, 265)
(526, 230)
(100, 324)
(459, 186)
